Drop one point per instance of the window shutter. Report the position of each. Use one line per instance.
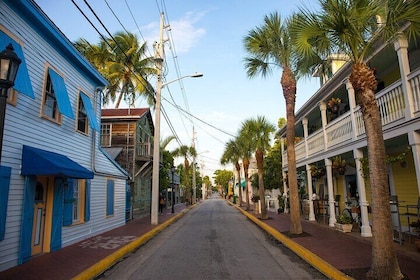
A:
(87, 200)
(68, 202)
(110, 198)
(27, 220)
(57, 214)
(4, 197)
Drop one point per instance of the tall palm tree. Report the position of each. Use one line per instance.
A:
(244, 144)
(261, 131)
(352, 28)
(123, 62)
(269, 47)
(232, 154)
(185, 152)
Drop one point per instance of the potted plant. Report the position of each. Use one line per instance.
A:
(339, 165)
(333, 104)
(416, 230)
(317, 171)
(344, 223)
(255, 199)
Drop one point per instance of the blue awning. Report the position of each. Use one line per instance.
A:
(41, 162)
(61, 94)
(22, 82)
(89, 111)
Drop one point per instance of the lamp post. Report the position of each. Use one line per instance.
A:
(9, 65)
(173, 187)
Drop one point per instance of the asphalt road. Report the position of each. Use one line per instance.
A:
(212, 241)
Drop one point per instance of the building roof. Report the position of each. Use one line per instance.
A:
(129, 113)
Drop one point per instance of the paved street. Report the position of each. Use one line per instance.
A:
(212, 241)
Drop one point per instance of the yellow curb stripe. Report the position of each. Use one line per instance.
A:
(112, 259)
(314, 260)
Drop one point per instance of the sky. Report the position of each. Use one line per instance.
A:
(203, 36)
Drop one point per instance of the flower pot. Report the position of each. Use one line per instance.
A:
(344, 227)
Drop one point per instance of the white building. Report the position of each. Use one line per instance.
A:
(57, 186)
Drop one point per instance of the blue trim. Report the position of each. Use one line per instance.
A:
(57, 215)
(35, 17)
(89, 111)
(5, 173)
(61, 94)
(22, 82)
(41, 162)
(25, 245)
(110, 189)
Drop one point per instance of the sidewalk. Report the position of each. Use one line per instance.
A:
(321, 245)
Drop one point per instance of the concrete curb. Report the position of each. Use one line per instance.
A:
(318, 263)
(112, 259)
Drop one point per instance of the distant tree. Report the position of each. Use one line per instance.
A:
(186, 152)
(222, 178)
(232, 154)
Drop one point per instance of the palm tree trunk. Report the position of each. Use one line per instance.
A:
(238, 169)
(260, 163)
(245, 163)
(288, 84)
(384, 259)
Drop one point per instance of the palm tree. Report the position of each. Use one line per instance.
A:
(261, 130)
(352, 28)
(185, 151)
(269, 46)
(122, 61)
(232, 154)
(244, 144)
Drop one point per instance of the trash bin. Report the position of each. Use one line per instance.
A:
(234, 199)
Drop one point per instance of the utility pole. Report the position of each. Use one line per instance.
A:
(194, 199)
(156, 152)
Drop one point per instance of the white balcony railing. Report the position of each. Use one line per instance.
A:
(391, 105)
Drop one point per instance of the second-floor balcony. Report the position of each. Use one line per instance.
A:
(349, 127)
(144, 152)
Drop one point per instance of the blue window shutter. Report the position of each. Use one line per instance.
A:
(25, 246)
(57, 214)
(110, 198)
(4, 197)
(87, 201)
(89, 111)
(22, 82)
(68, 202)
(61, 94)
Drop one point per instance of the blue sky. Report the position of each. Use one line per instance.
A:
(208, 38)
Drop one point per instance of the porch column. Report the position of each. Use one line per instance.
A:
(352, 104)
(400, 46)
(414, 140)
(331, 205)
(323, 108)
(310, 193)
(365, 229)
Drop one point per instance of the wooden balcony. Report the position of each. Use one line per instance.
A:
(144, 152)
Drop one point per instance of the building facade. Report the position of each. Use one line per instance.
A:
(332, 147)
(58, 187)
(126, 134)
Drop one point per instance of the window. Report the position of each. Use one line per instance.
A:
(110, 197)
(76, 202)
(106, 135)
(82, 117)
(56, 99)
(12, 96)
(50, 108)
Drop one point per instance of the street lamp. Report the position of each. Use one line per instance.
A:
(155, 173)
(173, 187)
(9, 65)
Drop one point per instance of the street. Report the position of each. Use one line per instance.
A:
(212, 241)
